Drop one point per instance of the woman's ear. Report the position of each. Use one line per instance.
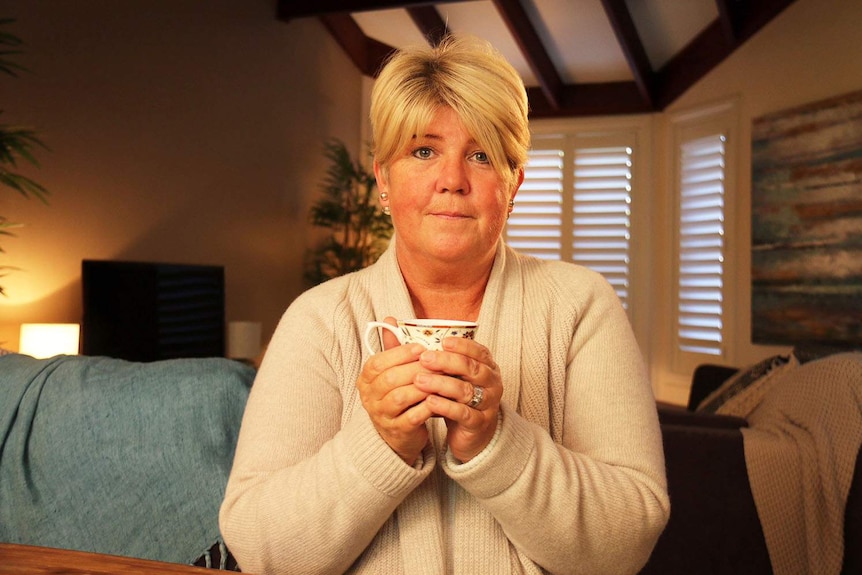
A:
(518, 182)
(382, 186)
(382, 180)
(380, 175)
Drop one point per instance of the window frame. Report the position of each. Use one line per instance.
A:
(639, 129)
(687, 126)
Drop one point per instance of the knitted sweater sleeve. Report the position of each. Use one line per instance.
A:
(594, 498)
(310, 487)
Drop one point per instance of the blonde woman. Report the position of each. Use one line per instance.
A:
(535, 448)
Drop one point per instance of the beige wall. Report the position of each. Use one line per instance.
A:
(190, 131)
(810, 52)
(182, 131)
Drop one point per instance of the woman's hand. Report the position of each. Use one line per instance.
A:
(448, 381)
(389, 396)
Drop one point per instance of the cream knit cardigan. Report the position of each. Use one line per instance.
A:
(573, 482)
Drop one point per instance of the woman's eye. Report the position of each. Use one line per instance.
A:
(481, 157)
(422, 153)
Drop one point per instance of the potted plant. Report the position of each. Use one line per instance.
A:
(359, 230)
(16, 143)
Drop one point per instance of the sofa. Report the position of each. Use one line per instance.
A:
(117, 457)
(131, 459)
(715, 526)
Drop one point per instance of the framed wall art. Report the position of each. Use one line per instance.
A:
(806, 224)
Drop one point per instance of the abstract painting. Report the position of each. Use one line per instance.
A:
(806, 224)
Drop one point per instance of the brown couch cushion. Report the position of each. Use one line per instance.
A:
(713, 526)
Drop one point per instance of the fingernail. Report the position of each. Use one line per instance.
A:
(428, 356)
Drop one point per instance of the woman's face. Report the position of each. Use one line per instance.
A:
(448, 203)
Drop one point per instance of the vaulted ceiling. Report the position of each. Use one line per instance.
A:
(577, 57)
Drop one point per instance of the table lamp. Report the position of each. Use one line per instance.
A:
(243, 340)
(42, 340)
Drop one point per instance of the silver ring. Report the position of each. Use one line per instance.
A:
(478, 395)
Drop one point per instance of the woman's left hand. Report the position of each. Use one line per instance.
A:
(458, 370)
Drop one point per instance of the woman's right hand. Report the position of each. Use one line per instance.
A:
(387, 392)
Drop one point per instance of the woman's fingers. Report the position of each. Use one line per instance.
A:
(464, 386)
(388, 394)
(456, 372)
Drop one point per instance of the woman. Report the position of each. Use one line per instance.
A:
(556, 465)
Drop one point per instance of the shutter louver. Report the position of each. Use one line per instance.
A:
(602, 213)
(588, 224)
(701, 245)
(535, 226)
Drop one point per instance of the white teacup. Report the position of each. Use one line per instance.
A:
(428, 332)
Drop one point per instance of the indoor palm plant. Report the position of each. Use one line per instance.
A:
(359, 230)
(16, 143)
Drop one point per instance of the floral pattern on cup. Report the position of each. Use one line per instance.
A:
(428, 332)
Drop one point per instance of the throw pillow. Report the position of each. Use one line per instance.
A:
(744, 390)
(746, 401)
(806, 352)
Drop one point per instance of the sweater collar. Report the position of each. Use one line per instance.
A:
(500, 316)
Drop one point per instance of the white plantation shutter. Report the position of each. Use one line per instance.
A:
(700, 318)
(575, 205)
(535, 225)
(602, 213)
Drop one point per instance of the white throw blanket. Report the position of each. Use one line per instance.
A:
(800, 449)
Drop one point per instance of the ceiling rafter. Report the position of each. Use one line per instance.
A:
(753, 16)
(651, 90)
(289, 9)
(528, 40)
(728, 15)
(429, 22)
(710, 48)
(366, 53)
(633, 49)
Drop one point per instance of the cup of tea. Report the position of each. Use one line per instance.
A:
(428, 332)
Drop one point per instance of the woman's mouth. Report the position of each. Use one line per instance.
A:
(450, 215)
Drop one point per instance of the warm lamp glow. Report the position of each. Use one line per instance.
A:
(43, 340)
(243, 339)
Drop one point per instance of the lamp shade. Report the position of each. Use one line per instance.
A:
(243, 339)
(43, 340)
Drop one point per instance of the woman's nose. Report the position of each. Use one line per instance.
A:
(453, 176)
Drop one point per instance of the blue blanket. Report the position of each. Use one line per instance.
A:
(117, 457)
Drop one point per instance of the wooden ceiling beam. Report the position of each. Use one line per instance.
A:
(651, 91)
(367, 54)
(729, 19)
(598, 99)
(753, 16)
(289, 9)
(533, 49)
(710, 48)
(429, 22)
(633, 49)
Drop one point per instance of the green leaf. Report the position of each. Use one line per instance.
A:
(25, 186)
(16, 143)
(9, 40)
(359, 232)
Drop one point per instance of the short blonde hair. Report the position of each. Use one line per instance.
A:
(465, 74)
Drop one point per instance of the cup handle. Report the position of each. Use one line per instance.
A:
(373, 325)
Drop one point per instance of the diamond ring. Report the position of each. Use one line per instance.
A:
(478, 395)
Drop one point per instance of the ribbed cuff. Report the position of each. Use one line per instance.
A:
(379, 464)
(500, 463)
